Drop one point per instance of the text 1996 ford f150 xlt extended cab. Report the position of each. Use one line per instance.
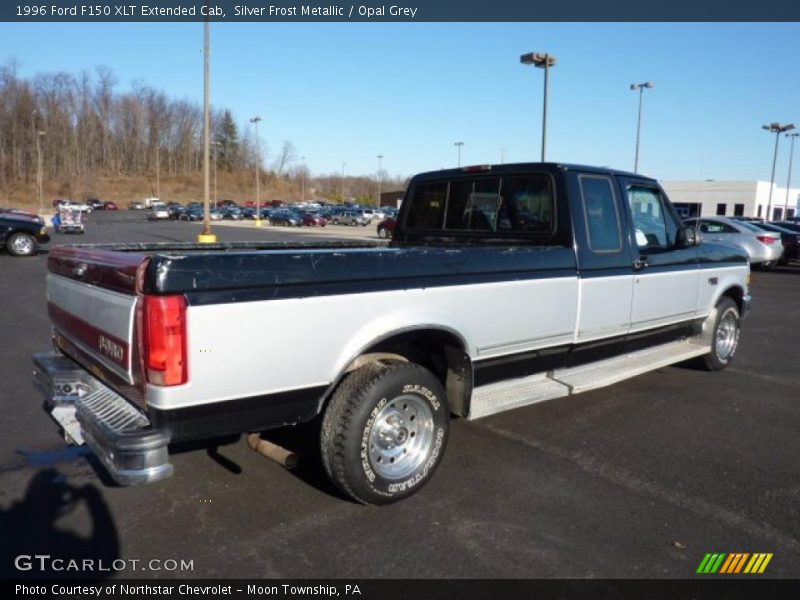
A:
(503, 286)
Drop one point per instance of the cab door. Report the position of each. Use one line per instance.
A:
(604, 265)
(666, 275)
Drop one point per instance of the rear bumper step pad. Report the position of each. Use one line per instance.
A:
(118, 433)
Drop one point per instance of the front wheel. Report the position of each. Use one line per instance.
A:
(21, 244)
(724, 336)
(384, 432)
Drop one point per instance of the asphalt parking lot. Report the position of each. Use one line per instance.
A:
(640, 479)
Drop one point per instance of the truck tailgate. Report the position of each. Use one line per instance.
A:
(91, 300)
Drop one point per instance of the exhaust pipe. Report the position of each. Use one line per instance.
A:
(279, 454)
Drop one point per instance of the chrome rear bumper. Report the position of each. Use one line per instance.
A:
(118, 433)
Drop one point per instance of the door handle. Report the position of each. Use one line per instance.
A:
(639, 264)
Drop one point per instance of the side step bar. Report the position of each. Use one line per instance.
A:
(506, 395)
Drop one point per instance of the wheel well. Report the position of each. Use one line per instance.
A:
(736, 294)
(441, 352)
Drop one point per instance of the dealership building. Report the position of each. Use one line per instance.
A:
(731, 198)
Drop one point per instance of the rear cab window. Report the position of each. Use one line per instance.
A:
(484, 206)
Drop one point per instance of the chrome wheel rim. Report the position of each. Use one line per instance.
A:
(727, 335)
(23, 245)
(401, 437)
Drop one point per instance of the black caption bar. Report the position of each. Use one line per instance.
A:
(407, 11)
(698, 588)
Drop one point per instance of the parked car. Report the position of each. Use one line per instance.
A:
(109, 205)
(96, 204)
(192, 213)
(351, 217)
(386, 228)
(158, 213)
(214, 214)
(136, 205)
(287, 218)
(21, 234)
(81, 206)
(764, 248)
(58, 202)
(176, 210)
(232, 213)
(312, 220)
(789, 238)
(225, 203)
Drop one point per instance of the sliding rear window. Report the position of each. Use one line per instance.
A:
(494, 206)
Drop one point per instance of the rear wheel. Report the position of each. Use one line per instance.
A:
(384, 432)
(724, 336)
(383, 233)
(21, 244)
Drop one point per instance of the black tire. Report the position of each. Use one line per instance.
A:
(722, 353)
(392, 396)
(21, 244)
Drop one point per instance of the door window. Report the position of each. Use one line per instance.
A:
(654, 226)
(600, 214)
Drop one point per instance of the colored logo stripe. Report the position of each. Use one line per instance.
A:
(758, 563)
(723, 563)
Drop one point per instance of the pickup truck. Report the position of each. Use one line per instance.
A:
(502, 286)
(21, 233)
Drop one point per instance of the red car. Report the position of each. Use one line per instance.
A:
(386, 228)
(108, 205)
(311, 220)
(251, 204)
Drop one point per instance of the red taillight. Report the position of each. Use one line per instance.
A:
(765, 239)
(164, 330)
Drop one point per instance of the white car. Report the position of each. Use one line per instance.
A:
(79, 205)
(158, 213)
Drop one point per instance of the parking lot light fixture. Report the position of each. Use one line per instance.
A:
(792, 137)
(380, 177)
(458, 145)
(541, 60)
(255, 120)
(777, 129)
(641, 87)
(206, 237)
(39, 176)
(344, 164)
(303, 179)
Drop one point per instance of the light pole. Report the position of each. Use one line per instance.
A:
(541, 60)
(158, 171)
(789, 178)
(344, 164)
(206, 237)
(39, 178)
(458, 145)
(215, 145)
(380, 177)
(303, 179)
(641, 87)
(777, 129)
(255, 120)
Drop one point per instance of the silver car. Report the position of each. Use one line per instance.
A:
(352, 217)
(763, 247)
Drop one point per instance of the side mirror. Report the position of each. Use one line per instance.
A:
(687, 237)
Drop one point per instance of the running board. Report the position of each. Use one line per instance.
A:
(514, 393)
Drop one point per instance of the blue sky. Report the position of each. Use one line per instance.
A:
(346, 92)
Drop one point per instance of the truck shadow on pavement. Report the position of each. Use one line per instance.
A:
(33, 526)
